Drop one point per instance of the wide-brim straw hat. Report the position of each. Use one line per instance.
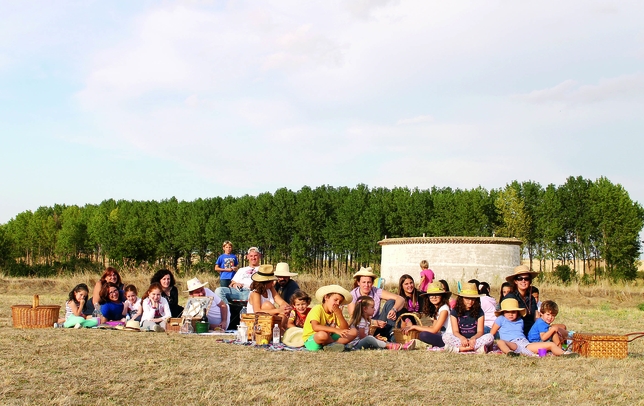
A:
(194, 284)
(508, 305)
(293, 337)
(436, 288)
(521, 270)
(282, 269)
(132, 325)
(469, 290)
(365, 272)
(325, 290)
(264, 274)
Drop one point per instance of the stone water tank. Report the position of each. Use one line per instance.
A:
(488, 259)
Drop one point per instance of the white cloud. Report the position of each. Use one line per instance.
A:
(624, 87)
(416, 120)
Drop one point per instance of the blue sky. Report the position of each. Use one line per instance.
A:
(149, 100)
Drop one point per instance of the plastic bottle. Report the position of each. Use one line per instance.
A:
(276, 335)
(97, 315)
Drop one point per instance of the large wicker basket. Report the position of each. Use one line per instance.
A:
(600, 345)
(401, 337)
(265, 320)
(34, 315)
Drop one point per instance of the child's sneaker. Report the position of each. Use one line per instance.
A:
(393, 346)
(334, 347)
(409, 345)
(158, 329)
(481, 350)
(512, 354)
(570, 354)
(77, 325)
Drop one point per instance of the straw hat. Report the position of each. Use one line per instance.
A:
(264, 274)
(436, 288)
(194, 284)
(509, 305)
(469, 290)
(325, 290)
(282, 269)
(365, 272)
(132, 325)
(521, 270)
(293, 337)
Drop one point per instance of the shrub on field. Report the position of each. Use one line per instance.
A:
(564, 274)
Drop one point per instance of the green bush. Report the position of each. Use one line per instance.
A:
(641, 306)
(564, 274)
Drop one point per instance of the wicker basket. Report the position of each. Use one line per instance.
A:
(401, 337)
(174, 324)
(265, 320)
(34, 315)
(602, 345)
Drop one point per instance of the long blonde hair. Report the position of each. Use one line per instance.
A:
(358, 310)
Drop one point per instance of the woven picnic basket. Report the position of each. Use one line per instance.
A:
(266, 322)
(34, 315)
(401, 337)
(599, 345)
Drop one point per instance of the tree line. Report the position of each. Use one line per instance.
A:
(591, 223)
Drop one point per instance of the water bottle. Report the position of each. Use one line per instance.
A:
(276, 335)
(97, 315)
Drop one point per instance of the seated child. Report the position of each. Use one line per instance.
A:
(363, 312)
(156, 309)
(544, 330)
(468, 323)
(132, 303)
(300, 302)
(535, 295)
(74, 316)
(509, 325)
(325, 326)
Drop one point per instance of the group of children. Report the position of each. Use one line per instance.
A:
(148, 313)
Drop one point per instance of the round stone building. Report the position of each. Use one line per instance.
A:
(488, 259)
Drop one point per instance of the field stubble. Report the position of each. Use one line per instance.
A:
(67, 366)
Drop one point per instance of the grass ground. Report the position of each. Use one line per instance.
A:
(67, 366)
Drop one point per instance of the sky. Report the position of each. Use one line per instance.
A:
(148, 100)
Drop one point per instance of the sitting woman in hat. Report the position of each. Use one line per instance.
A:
(264, 298)
(439, 310)
(468, 323)
(325, 326)
(521, 280)
(385, 316)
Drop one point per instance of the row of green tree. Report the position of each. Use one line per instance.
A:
(592, 223)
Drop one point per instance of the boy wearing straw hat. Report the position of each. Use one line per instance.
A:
(325, 326)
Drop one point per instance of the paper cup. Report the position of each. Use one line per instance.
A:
(543, 352)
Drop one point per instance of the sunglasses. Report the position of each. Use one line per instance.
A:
(523, 278)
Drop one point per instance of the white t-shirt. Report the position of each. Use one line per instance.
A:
(262, 300)
(214, 313)
(243, 276)
(448, 323)
(488, 305)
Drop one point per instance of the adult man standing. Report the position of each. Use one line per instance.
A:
(239, 288)
(285, 285)
(219, 312)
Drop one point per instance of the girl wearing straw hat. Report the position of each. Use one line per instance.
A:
(468, 322)
(521, 280)
(439, 310)
(264, 298)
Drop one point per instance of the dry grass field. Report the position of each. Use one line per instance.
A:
(67, 366)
